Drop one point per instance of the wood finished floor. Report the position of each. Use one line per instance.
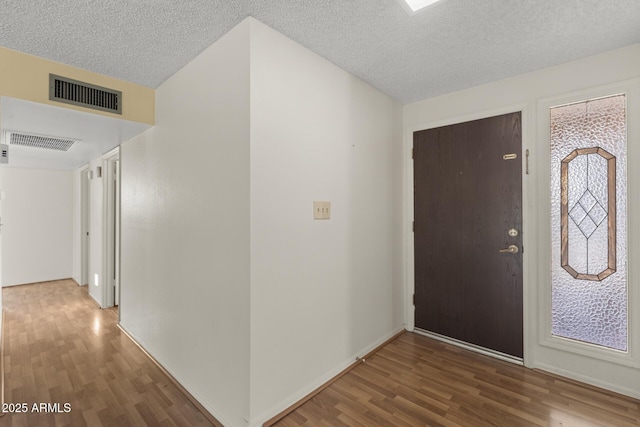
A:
(416, 381)
(60, 348)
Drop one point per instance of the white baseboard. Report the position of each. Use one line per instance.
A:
(319, 382)
(635, 393)
(193, 394)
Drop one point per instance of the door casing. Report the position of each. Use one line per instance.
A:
(564, 352)
(84, 226)
(109, 227)
(529, 218)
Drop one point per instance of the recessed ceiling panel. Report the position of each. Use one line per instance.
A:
(39, 141)
(98, 134)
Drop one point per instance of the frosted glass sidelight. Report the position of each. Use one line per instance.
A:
(589, 222)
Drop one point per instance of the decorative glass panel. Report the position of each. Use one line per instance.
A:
(594, 180)
(588, 222)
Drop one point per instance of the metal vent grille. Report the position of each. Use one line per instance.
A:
(39, 141)
(73, 92)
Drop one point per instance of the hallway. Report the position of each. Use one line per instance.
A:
(60, 348)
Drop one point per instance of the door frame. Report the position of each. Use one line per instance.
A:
(116, 178)
(85, 204)
(567, 357)
(108, 227)
(529, 220)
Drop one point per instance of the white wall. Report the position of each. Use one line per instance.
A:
(322, 292)
(77, 224)
(37, 213)
(185, 229)
(226, 278)
(612, 66)
(1, 204)
(525, 92)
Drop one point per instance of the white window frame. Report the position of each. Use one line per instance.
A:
(631, 89)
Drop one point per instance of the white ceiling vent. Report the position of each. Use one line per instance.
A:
(74, 92)
(39, 141)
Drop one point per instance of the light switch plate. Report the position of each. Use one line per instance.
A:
(321, 210)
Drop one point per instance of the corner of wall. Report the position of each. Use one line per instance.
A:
(185, 228)
(321, 291)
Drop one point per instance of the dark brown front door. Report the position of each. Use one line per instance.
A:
(467, 209)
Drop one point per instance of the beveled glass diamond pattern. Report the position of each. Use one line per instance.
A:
(587, 214)
(597, 213)
(587, 227)
(587, 200)
(577, 214)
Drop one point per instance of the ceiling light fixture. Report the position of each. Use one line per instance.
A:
(416, 5)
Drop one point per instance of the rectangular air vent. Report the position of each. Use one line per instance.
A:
(39, 141)
(69, 91)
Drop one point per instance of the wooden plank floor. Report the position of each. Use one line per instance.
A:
(416, 381)
(60, 348)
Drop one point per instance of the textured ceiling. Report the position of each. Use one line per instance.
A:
(449, 46)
